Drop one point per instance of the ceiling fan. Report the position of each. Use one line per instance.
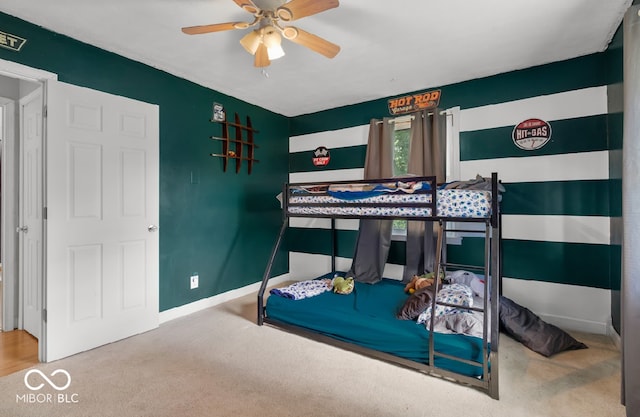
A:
(265, 41)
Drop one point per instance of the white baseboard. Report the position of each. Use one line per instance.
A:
(572, 323)
(569, 307)
(613, 334)
(194, 307)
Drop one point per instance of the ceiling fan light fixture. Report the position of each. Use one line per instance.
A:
(251, 41)
(273, 41)
(275, 52)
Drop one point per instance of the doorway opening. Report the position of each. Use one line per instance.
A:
(18, 348)
(99, 282)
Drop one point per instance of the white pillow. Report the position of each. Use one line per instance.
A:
(467, 278)
(458, 294)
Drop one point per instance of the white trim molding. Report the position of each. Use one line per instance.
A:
(23, 72)
(203, 304)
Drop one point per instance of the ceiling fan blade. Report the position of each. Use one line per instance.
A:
(262, 57)
(297, 9)
(311, 41)
(247, 5)
(218, 27)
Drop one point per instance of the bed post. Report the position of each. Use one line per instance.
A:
(267, 273)
(496, 284)
(495, 206)
(334, 244)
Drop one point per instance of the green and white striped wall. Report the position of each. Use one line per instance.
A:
(557, 208)
(556, 214)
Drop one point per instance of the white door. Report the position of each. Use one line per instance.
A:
(102, 187)
(31, 222)
(9, 215)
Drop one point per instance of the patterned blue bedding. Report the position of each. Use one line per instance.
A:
(464, 203)
(450, 203)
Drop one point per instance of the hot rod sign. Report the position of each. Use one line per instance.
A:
(531, 134)
(414, 102)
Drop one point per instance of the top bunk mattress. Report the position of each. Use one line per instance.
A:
(403, 198)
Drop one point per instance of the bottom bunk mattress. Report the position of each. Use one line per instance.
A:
(367, 317)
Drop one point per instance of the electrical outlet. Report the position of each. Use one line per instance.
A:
(194, 281)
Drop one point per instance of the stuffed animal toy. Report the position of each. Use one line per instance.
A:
(420, 281)
(343, 285)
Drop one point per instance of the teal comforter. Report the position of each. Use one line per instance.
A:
(367, 317)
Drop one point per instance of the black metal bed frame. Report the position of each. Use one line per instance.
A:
(492, 268)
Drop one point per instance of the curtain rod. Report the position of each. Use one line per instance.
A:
(400, 119)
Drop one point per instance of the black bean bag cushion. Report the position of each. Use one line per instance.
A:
(527, 328)
(417, 302)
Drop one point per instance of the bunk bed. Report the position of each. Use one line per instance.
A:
(366, 320)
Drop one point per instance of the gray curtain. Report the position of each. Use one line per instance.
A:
(427, 157)
(374, 236)
(630, 291)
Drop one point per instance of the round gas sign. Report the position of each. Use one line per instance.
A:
(531, 134)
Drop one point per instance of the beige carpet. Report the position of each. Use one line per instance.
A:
(219, 363)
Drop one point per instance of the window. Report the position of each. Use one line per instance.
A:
(401, 144)
(401, 151)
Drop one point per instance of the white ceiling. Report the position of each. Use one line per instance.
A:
(386, 50)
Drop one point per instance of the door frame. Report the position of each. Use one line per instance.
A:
(10, 303)
(9, 215)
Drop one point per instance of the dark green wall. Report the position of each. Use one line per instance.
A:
(220, 225)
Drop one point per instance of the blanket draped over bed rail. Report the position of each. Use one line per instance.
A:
(366, 318)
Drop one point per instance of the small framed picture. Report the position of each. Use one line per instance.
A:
(218, 112)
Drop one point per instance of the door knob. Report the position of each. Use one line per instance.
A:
(152, 228)
(24, 229)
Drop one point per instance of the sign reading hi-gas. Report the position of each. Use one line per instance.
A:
(12, 42)
(531, 134)
(414, 102)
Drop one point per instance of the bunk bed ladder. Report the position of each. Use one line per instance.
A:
(490, 326)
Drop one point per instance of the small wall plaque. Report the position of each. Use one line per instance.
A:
(218, 113)
(321, 156)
